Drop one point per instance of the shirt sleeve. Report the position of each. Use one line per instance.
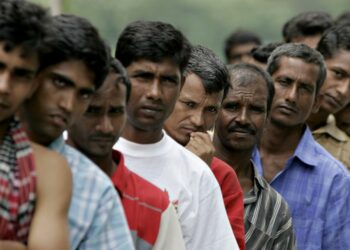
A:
(233, 199)
(336, 232)
(170, 235)
(286, 237)
(109, 229)
(210, 227)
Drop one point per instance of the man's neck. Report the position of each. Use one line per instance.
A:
(105, 163)
(278, 139)
(239, 160)
(142, 136)
(318, 119)
(3, 128)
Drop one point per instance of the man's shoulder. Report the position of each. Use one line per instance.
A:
(144, 192)
(84, 170)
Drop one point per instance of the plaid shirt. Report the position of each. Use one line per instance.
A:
(316, 187)
(96, 216)
(18, 184)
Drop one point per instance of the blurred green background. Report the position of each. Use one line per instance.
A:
(206, 22)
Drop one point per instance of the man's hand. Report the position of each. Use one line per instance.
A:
(201, 145)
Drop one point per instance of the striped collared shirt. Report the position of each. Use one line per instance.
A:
(267, 219)
(96, 216)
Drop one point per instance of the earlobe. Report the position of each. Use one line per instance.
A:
(317, 103)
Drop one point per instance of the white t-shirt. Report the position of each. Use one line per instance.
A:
(191, 186)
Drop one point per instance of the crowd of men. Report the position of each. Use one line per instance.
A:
(168, 147)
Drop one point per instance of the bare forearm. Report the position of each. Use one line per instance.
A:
(11, 245)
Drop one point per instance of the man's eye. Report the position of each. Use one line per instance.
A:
(231, 106)
(59, 82)
(190, 104)
(212, 110)
(93, 110)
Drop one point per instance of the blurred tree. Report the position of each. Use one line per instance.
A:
(205, 22)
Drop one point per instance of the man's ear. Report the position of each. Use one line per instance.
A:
(317, 103)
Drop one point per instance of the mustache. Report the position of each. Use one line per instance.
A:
(102, 136)
(241, 128)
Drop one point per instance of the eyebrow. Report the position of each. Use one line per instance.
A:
(62, 78)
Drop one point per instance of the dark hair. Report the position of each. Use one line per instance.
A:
(344, 18)
(308, 23)
(240, 37)
(118, 68)
(263, 52)
(300, 51)
(76, 38)
(246, 74)
(335, 39)
(209, 68)
(23, 24)
(154, 41)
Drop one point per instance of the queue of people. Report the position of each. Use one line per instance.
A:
(167, 146)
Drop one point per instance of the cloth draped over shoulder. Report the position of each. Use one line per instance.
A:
(17, 184)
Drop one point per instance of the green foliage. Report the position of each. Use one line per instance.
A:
(206, 22)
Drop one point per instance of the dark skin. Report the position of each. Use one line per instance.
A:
(240, 161)
(154, 90)
(240, 124)
(295, 99)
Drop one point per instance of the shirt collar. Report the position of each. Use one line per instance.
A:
(305, 149)
(58, 144)
(332, 130)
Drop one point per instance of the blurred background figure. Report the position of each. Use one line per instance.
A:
(261, 54)
(307, 27)
(239, 44)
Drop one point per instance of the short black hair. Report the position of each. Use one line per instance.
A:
(300, 51)
(335, 39)
(154, 41)
(263, 52)
(245, 73)
(209, 68)
(344, 18)
(118, 68)
(24, 24)
(76, 38)
(240, 37)
(305, 24)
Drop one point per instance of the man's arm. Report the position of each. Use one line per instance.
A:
(170, 235)
(49, 227)
(201, 145)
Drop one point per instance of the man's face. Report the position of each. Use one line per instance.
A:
(336, 89)
(96, 131)
(243, 115)
(310, 41)
(195, 110)
(295, 92)
(241, 53)
(343, 119)
(155, 88)
(64, 91)
(17, 73)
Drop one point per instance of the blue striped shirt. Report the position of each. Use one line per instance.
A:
(316, 187)
(96, 216)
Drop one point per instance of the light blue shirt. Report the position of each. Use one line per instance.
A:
(316, 187)
(96, 216)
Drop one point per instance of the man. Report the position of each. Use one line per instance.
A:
(239, 45)
(335, 48)
(343, 119)
(152, 218)
(155, 55)
(315, 185)
(238, 129)
(261, 54)
(34, 198)
(195, 112)
(76, 64)
(307, 27)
